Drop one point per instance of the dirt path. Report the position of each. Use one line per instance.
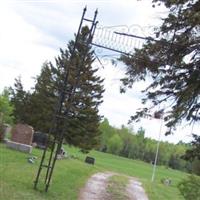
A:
(95, 188)
(135, 190)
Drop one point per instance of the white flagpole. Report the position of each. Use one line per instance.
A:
(157, 150)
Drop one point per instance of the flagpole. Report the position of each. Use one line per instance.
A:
(157, 150)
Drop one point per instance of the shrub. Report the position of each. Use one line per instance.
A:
(190, 188)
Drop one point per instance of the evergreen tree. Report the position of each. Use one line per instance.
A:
(173, 63)
(20, 99)
(81, 124)
(43, 100)
(194, 152)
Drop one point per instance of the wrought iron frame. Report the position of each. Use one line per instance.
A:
(48, 161)
(56, 130)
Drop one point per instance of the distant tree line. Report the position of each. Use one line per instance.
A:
(134, 145)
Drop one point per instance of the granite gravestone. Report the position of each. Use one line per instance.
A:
(90, 160)
(4, 129)
(22, 133)
(21, 138)
(40, 139)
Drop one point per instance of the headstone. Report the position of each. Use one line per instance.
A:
(90, 160)
(21, 138)
(22, 133)
(7, 130)
(4, 128)
(39, 139)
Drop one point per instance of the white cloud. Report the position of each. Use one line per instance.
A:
(21, 53)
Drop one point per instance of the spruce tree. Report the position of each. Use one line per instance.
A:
(172, 61)
(83, 119)
(194, 152)
(43, 100)
(81, 125)
(20, 99)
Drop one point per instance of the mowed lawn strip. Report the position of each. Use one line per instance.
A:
(17, 175)
(116, 188)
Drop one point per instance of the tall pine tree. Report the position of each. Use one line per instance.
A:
(82, 124)
(173, 63)
(43, 99)
(20, 99)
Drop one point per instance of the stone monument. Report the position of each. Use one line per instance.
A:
(21, 138)
(4, 129)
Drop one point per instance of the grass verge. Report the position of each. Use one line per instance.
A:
(116, 188)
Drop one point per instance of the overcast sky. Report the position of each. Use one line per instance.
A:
(31, 32)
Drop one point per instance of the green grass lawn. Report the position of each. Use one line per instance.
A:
(17, 175)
